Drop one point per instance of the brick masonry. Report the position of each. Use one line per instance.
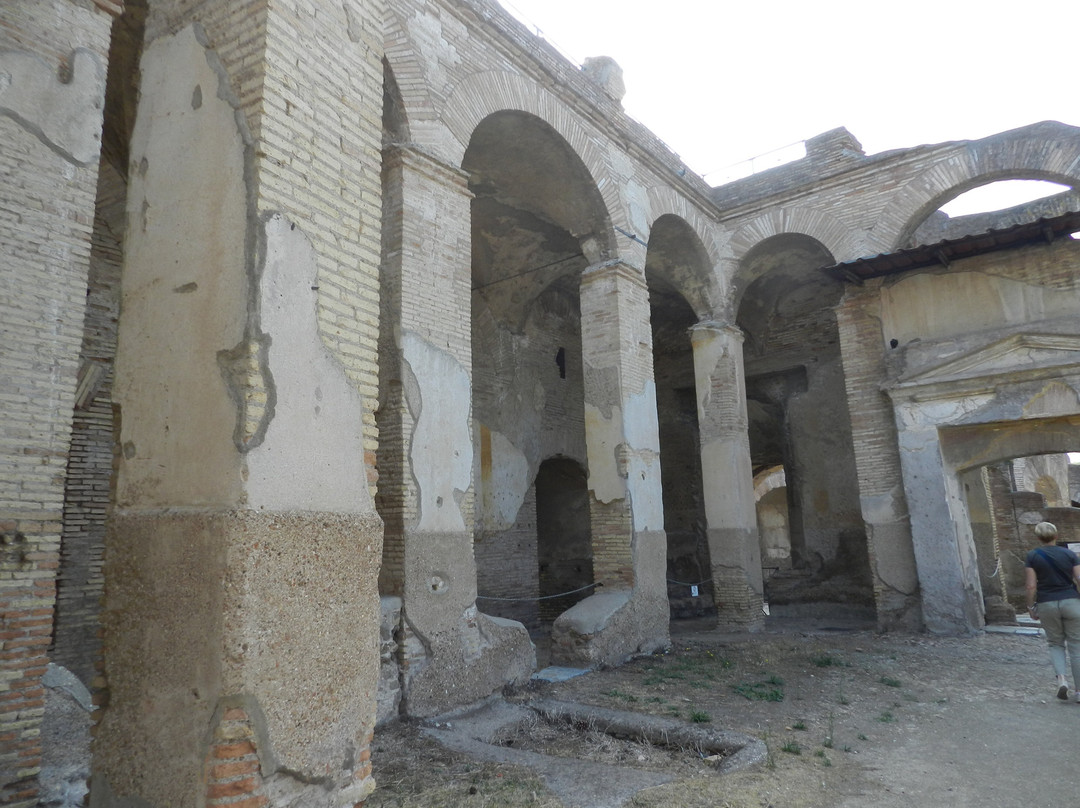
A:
(46, 215)
(308, 78)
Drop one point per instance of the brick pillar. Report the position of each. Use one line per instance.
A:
(977, 488)
(630, 612)
(727, 475)
(621, 427)
(50, 128)
(452, 654)
(877, 460)
(243, 547)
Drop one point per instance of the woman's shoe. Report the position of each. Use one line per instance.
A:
(1063, 692)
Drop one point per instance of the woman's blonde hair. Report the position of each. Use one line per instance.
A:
(1045, 530)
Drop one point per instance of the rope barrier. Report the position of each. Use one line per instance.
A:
(684, 583)
(534, 600)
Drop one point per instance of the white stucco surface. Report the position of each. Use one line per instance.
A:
(65, 115)
(509, 483)
(312, 457)
(184, 294)
(441, 453)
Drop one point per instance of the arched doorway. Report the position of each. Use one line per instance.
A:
(537, 222)
(799, 421)
(676, 261)
(563, 537)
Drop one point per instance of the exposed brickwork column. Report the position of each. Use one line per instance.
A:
(426, 282)
(877, 460)
(727, 476)
(49, 146)
(988, 550)
(620, 417)
(630, 612)
(233, 775)
(452, 653)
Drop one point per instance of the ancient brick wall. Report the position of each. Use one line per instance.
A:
(48, 175)
(88, 482)
(873, 428)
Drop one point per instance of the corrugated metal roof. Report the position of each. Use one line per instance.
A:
(944, 252)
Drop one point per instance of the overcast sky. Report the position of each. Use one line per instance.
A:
(722, 82)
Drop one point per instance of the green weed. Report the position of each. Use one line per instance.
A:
(758, 691)
(827, 661)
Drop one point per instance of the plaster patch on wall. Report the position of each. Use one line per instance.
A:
(312, 456)
(646, 494)
(643, 474)
(354, 26)
(884, 508)
(731, 504)
(64, 115)
(623, 447)
(505, 482)
(642, 428)
(603, 440)
(602, 385)
(441, 452)
(426, 29)
(190, 188)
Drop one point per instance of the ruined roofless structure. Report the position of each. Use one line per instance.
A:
(338, 337)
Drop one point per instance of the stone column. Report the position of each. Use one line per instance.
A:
(727, 474)
(452, 654)
(53, 59)
(940, 529)
(630, 612)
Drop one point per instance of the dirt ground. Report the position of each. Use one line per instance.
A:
(851, 719)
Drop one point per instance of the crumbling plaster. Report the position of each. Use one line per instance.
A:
(64, 113)
(231, 398)
(312, 455)
(439, 395)
(185, 299)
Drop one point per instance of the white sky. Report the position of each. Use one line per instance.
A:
(721, 82)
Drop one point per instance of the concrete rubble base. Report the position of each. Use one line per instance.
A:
(583, 784)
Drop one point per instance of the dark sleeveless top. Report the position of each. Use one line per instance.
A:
(1053, 567)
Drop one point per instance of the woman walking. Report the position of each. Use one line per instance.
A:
(1052, 575)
